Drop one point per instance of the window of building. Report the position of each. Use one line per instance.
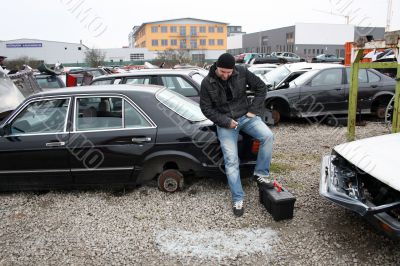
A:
(174, 42)
(211, 42)
(220, 29)
(173, 29)
(182, 43)
(137, 56)
(198, 58)
(289, 37)
(220, 42)
(202, 29)
(164, 29)
(193, 30)
(313, 51)
(182, 30)
(202, 42)
(193, 44)
(164, 42)
(154, 42)
(154, 29)
(305, 51)
(211, 29)
(309, 51)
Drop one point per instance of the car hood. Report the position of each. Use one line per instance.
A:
(10, 96)
(376, 156)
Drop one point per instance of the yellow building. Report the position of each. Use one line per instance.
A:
(183, 33)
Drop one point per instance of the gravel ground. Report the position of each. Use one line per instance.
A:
(196, 226)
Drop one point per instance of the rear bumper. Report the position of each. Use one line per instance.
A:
(376, 215)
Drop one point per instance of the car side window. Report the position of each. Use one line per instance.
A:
(132, 117)
(328, 77)
(45, 116)
(373, 77)
(362, 76)
(96, 113)
(102, 82)
(138, 80)
(179, 85)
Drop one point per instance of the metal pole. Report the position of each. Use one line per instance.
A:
(351, 121)
(396, 113)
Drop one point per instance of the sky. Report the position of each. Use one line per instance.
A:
(106, 24)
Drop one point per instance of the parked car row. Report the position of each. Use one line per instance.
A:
(324, 91)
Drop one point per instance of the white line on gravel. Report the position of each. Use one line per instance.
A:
(216, 244)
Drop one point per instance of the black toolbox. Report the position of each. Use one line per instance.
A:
(278, 201)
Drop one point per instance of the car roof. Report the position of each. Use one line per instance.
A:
(150, 71)
(308, 66)
(123, 88)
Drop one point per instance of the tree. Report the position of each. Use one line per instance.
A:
(94, 57)
(20, 61)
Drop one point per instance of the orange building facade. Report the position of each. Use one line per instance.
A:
(182, 34)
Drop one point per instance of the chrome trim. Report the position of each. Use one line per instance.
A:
(55, 144)
(102, 169)
(37, 134)
(22, 107)
(35, 171)
(123, 113)
(124, 97)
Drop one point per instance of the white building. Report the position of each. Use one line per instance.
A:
(50, 52)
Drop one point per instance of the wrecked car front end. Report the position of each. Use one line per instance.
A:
(364, 181)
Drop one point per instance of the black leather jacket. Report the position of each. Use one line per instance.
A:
(213, 101)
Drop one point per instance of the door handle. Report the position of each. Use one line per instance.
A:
(374, 86)
(339, 88)
(141, 140)
(55, 144)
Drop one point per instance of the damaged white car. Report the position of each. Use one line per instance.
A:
(364, 176)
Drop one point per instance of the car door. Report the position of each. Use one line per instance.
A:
(110, 139)
(33, 150)
(364, 89)
(323, 93)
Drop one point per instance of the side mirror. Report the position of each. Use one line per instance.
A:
(285, 85)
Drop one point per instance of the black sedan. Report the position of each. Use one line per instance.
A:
(325, 92)
(115, 135)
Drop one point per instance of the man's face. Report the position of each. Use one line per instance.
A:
(224, 73)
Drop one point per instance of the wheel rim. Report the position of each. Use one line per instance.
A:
(170, 180)
(380, 112)
(170, 184)
(276, 116)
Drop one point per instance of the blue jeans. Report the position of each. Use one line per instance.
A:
(228, 138)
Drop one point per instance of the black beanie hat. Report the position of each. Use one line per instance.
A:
(226, 60)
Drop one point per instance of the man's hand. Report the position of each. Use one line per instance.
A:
(233, 124)
(251, 115)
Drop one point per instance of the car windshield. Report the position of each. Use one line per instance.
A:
(276, 75)
(198, 78)
(302, 79)
(181, 105)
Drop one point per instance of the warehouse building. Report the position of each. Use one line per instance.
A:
(305, 39)
(52, 52)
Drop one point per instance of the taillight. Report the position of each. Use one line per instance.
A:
(71, 81)
(255, 146)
